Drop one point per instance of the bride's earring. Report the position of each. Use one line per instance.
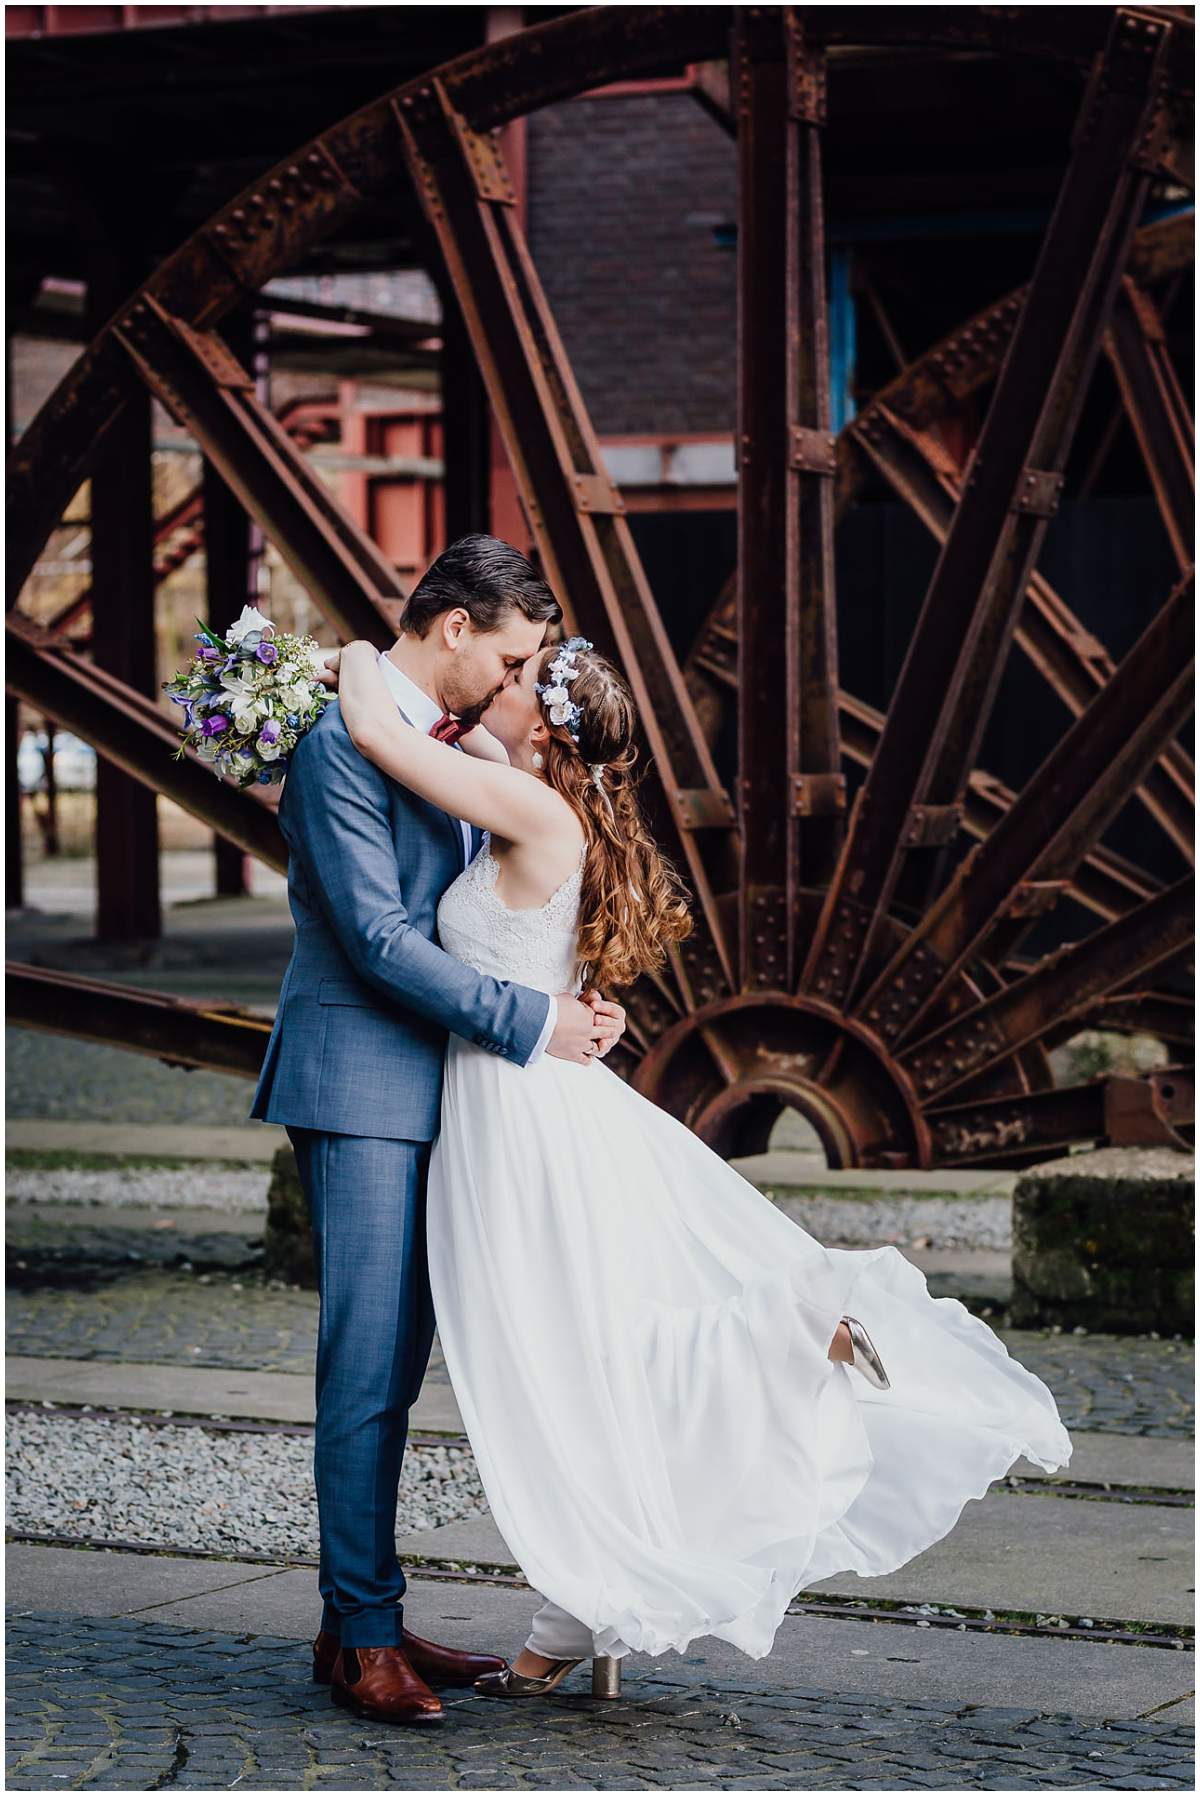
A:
(537, 760)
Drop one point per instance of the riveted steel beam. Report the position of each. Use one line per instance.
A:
(206, 388)
(936, 382)
(1061, 986)
(993, 1130)
(1073, 662)
(961, 640)
(1158, 411)
(786, 453)
(575, 514)
(1105, 882)
(180, 1031)
(1032, 853)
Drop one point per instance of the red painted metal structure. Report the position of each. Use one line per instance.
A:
(855, 957)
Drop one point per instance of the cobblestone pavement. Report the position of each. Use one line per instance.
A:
(175, 1318)
(112, 1704)
(1109, 1384)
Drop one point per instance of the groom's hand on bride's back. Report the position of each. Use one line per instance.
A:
(587, 1027)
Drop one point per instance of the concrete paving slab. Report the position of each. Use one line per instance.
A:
(877, 1660)
(1052, 1555)
(784, 1170)
(110, 1583)
(200, 1390)
(253, 1141)
(1043, 1554)
(1138, 1461)
(24, 1217)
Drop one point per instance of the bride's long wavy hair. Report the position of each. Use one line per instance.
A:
(633, 903)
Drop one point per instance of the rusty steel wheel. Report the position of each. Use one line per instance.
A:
(849, 959)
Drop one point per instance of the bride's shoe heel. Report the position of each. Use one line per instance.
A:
(866, 1359)
(606, 1677)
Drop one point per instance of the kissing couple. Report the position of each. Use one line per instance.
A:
(653, 1364)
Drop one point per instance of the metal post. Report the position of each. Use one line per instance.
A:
(52, 844)
(14, 858)
(127, 868)
(466, 426)
(229, 582)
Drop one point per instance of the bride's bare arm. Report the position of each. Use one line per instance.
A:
(483, 746)
(487, 792)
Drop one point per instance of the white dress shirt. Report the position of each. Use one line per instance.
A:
(423, 712)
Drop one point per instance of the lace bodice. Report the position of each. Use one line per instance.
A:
(535, 947)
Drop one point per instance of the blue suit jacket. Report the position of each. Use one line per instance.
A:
(368, 998)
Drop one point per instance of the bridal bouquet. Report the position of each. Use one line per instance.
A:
(248, 697)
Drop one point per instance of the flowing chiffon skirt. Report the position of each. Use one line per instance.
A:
(638, 1342)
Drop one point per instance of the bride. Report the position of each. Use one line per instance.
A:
(652, 1362)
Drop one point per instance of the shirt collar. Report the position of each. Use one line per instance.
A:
(421, 710)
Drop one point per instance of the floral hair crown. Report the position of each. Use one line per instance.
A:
(559, 703)
(553, 691)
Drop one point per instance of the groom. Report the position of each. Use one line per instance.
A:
(353, 1070)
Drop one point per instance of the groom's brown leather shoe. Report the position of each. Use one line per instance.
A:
(436, 1664)
(377, 1683)
(442, 1665)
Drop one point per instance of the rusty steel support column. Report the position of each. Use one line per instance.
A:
(128, 904)
(912, 796)
(14, 852)
(791, 793)
(1158, 411)
(230, 567)
(14, 847)
(575, 514)
(466, 423)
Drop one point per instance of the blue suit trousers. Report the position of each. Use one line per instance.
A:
(366, 1200)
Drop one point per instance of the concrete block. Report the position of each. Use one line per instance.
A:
(1106, 1240)
(287, 1244)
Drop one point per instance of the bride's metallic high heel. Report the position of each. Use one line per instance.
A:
(866, 1360)
(511, 1684)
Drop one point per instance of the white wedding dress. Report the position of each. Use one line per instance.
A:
(638, 1342)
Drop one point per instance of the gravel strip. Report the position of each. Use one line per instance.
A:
(904, 1221)
(835, 1221)
(197, 1187)
(189, 1487)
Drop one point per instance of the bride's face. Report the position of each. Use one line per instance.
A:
(516, 710)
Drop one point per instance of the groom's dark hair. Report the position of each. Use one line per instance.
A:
(486, 577)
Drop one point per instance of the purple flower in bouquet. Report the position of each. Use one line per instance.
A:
(224, 698)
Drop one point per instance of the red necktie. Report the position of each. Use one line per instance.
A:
(448, 729)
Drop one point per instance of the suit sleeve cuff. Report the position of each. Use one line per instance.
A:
(539, 1046)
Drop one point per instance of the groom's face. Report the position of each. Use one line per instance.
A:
(483, 662)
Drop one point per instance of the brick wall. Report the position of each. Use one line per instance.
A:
(624, 195)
